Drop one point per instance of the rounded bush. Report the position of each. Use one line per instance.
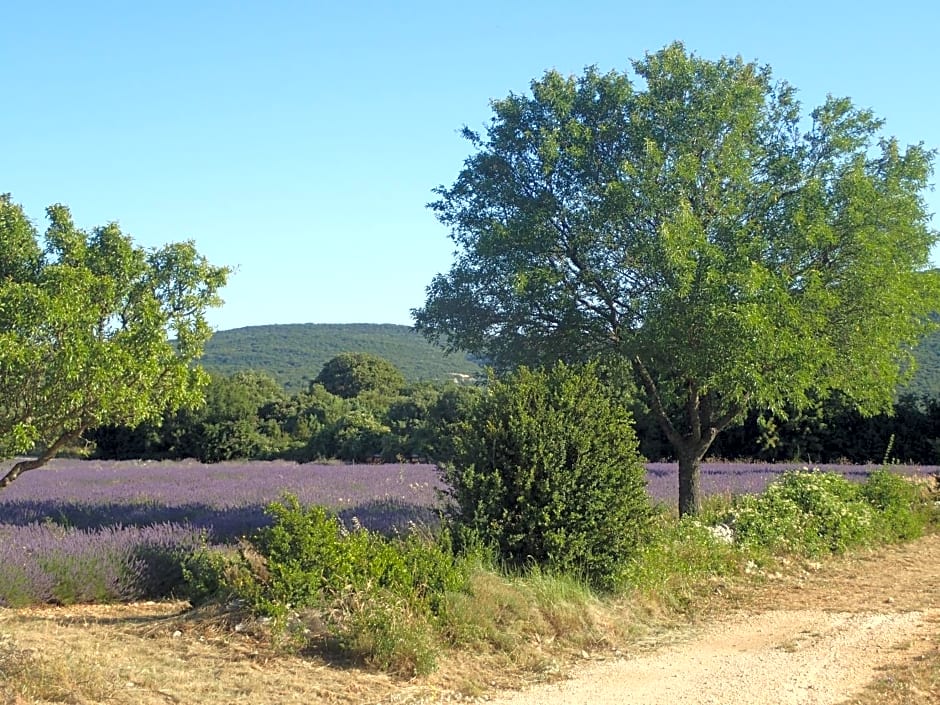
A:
(547, 471)
(805, 512)
(350, 374)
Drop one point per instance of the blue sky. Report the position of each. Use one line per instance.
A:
(299, 141)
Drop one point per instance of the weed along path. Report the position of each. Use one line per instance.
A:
(815, 636)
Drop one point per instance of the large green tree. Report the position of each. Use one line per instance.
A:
(350, 374)
(93, 330)
(693, 221)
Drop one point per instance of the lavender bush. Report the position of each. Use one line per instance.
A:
(49, 563)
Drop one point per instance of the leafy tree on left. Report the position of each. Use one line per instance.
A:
(94, 330)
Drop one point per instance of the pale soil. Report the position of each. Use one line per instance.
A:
(812, 634)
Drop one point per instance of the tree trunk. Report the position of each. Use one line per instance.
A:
(690, 498)
(704, 424)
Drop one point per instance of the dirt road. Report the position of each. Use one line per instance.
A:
(816, 637)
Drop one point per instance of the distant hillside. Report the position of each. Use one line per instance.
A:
(926, 380)
(294, 353)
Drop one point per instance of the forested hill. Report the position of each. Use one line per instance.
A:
(294, 353)
(926, 381)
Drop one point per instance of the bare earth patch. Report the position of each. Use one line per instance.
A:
(811, 635)
(863, 629)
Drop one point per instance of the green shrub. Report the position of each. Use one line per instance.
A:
(547, 471)
(901, 510)
(215, 572)
(806, 513)
(378, 599)
(358, 436)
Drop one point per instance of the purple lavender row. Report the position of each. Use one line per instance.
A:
(227, 499)
(224, 484)
(45, 563)
(752, 478)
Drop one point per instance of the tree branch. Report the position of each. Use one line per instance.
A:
(47, 455)
(656, 403)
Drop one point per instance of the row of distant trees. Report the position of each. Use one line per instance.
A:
(827, 431)
(361, 409)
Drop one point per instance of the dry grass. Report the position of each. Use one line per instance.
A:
(510, 633)
(154, 653)
(513, 633)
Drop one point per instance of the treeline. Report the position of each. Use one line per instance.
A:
(360, 409)
(293, 353)
(829, 431)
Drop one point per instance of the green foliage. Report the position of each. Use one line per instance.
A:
(213, 573)
(247, 415)
(294, 353)
(85, 321)
(902, 511)
(831, 430)
(378, 598)
(310, 557)
(925, 382)
(813, 513)
(351, 374)
(547, 471)
(805, 512)
(678, 559)
(233, 423)
(738, 253)
(357, 436)
(425, 420)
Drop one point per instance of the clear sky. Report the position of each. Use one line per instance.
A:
(299, 141)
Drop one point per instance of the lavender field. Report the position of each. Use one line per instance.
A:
(227, 500)
(753, 478)
(99, 530)
(90, 531)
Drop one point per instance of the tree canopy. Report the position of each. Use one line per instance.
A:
(93, 330)
(350, 374)
(694, 222)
